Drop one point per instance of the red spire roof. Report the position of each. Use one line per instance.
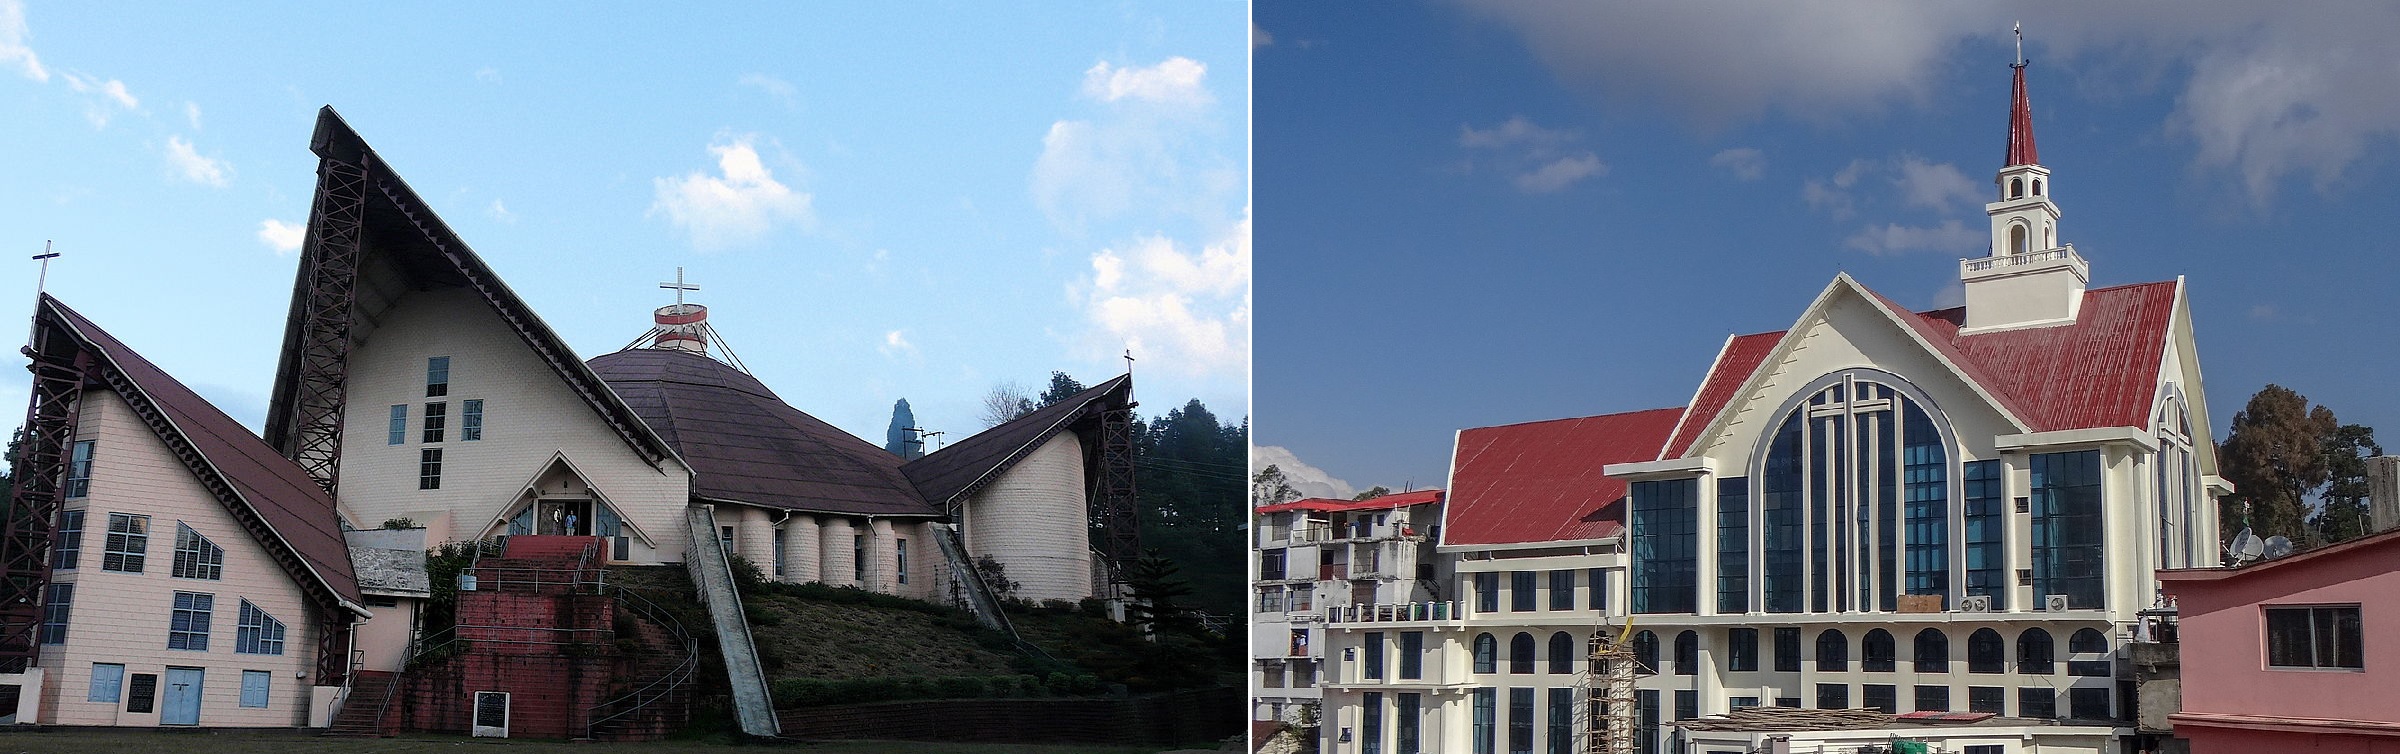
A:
(2020, 125)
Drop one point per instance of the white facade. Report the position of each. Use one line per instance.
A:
(1327, 581)
(1017, 521)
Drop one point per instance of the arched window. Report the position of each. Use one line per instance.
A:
(1520, 653)
(1987, 652)
(1487, 654)
(1933, 651)
(2033, 653)
(2037, 187)
(2016, 238)
(1877, 653)
(1562, 653)
(2177, 482)
(1833, 651)
(2016, 188)
(2049, 236)
(1858, 459)
(1687, 653)
(2087, 641)
(1645, 651)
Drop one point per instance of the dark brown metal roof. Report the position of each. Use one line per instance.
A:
(746, 445)
(948, 475)
(277, 500)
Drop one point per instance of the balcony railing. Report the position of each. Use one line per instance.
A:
(1394, 612)
(2003, 261)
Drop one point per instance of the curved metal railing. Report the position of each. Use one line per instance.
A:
(660, 689)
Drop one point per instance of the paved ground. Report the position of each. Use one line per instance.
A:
(196, 742)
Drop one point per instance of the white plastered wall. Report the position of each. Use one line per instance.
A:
(1031, 520)
(123, 617)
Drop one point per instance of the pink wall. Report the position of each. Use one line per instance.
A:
(2223, 635)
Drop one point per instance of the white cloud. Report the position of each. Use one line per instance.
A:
(13, 50)
(488, 75)
(740, 205)
(895, 344)
(499, 211)
(191, 113)
(1259, 37)
(1540, 159)
(1175, 81)
(1310, 481)
(1745, 163)
(281, 236)
(782, 91)
(1832, 195)
(192, 166)
(106, 98)
(1184, 310)
(1892, 238)
(1935, 186)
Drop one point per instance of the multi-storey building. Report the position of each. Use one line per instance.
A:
(1321, 563)
(1951, 517)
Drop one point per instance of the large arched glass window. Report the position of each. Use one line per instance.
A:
(1933, 651)
(2177, 484)
(1687, 653)
(2086, 641)
(1645, 651)
(1856, 476)
(1877, 653)
(1562, 653)
(1520, 653)
(1833, 651)
(1987, 652)
(1487, 654)
(2034, 656)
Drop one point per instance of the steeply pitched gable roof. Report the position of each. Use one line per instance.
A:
(281, 506)
(405, 230)
(746, 445)
(948, 475)
(1542, 481)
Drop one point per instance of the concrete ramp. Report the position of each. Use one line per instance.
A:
(976, 594)
(712, 579)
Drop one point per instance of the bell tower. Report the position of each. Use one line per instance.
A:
(2029, 279)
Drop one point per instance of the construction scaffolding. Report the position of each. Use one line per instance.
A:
(1609, 706)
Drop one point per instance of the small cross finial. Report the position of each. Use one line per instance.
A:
(679, 287)
(43, 280)
(1129, 361)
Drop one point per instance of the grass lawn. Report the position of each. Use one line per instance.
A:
(194, 742)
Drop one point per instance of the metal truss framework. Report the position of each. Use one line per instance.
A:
(335, 228)
(1112, 500)
(27, 527)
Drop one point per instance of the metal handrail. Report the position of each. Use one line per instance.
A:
(393, 686)
(660, 688)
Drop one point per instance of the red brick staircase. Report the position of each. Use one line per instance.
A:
(363, 712)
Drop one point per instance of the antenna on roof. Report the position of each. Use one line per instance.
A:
(923, 432)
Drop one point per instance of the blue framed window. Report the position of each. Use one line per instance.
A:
(470, 420)
(1665, 524)
(1733, 545)
(1928, 506)
(1486, 719)
(1487, 653)
(2067, 554)
(79, 470)
(188, 628)
(57, 605)
(1986, 530)
(1780, 499)
(68, 551)
(108, 683)
(195, 556)
(397, 431)
(254, 687)
(258, 633)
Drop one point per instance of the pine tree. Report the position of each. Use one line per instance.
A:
(1061, 387)
(2275, 457)
(2344, 513)
(901, 438)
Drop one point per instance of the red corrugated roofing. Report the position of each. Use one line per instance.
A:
(1734, 366)
(1541, 481)
(1336, 505)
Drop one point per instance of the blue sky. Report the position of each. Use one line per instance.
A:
(878, 200)
(1474, 213)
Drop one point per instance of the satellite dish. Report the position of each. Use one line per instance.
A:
(2246, 547)
(2278, 546)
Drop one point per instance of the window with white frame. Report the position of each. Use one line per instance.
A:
(437, 376)
(195, 556)
(470, 420)
(257, 633)
(429, 469)
(187, 629)
(437, 420)
(128, 543)
(397, 432)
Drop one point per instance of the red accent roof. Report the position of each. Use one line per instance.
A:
(2101, 371)
(1541, 481)
(2020, 125)
(1336, 505)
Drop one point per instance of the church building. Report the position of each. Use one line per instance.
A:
(1949, 519)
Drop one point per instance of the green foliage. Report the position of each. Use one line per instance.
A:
(995, 577)
(747, 576)
(2280, 454)
(1061, 387)
(443, 564)
(1373, 492)
(792, 693)
(1271, 486)
(2343, 515)
(399, 523)
(1191, 472)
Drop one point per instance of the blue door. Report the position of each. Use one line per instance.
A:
(183, 697)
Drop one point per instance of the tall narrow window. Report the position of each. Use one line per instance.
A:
(79, 470)
(1596, 580)
(195, 556)
(858, 554)
(1733, 545)
(1986, 561)
(258, 633)
(1645, 712)
(1412, 655)
(1780, 501)
(187, 628)
(899, 560)
(1370, 723)
(1487, 592)
(2066, 527)
(1407, 708)
(1486, 713)
(128, 543)
(1521, 598)
(1928, 469)
(397, 432)
(437, 419)
(1371, 656)
(1933, 652)
(1562, 653)
(1645, 652)
(1687, 653)
(1520, 721)
(470, 420)
(1665, 523)
(1787, 649)
(429, 469)
(437, 376)
(1833, 651)
(1487, 654)
(56, 606)
(1520, 653)
(1562, 590)
(1741, 650)
(1562, 721)
(66, 554)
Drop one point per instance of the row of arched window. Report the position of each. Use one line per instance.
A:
(1987, 651)
(1520, 653)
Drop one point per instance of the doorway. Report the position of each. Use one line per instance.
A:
(563, 517)
(183, 697)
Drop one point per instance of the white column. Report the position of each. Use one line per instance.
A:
(800, 548)
(754, 537)
(836, 552)
(881, 557)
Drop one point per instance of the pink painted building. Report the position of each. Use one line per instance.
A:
(2294, 654)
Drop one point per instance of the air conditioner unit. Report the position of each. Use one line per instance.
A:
(1975, 603)
(2054, 602)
